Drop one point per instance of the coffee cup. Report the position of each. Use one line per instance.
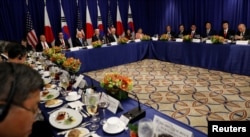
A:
(72, 95)
(113, 123)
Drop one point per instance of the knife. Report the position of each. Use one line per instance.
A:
(90, 133)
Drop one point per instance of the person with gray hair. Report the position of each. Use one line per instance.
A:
(243, 33)
(19, 98)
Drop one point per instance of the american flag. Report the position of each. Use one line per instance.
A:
(79, 21)
(110, 20)
(31, 34)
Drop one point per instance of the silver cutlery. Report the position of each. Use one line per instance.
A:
(64, 106)
(82, 125)
(86, 112)
(79, 109)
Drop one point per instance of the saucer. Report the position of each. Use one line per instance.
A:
(118, 127)
(67, 98)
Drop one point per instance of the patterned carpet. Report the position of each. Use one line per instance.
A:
(189, 94)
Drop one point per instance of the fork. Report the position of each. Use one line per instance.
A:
(64, 106)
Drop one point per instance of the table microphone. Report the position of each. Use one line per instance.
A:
(136, 113)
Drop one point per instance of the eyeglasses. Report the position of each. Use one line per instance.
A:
(34, 111)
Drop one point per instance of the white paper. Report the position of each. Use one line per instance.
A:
(196, 40)
(208, 41)
(242, 42)
(89, 47)
(154, 38)
(74, 48)
(124, 119)
(179, 40)
(78, 80)
(137, 40)
(163, 126)
(113, 43)
(113, 103)
(76, 104)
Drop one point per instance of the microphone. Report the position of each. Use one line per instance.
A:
(137, 113)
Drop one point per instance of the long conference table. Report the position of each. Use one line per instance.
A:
(223, 57)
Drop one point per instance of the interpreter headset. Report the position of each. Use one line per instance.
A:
(4, 108)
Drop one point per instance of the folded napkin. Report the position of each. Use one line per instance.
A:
(76, 104)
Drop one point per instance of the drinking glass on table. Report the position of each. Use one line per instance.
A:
(103, 104)
(64, 81)
(145, 128)
(92, 101)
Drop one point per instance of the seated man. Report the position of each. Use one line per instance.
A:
(20, 94)
(182, 32)
(243, 33)
(43, 44)
(112, 37)
(25, 44)
(129, 35)
(169, 31)
(17, 54)
(4, 55)
(97, 36)
(209, 31)
(226, 32)
(61, 42)
(80, 40)
(193, 32)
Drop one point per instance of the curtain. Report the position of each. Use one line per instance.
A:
(150, 15)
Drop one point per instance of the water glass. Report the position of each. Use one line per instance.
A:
(145, 128)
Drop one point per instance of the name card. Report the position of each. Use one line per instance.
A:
(74, 48)
(113, 43)
(208, 41)
(196, 40)
(162, 126)
(124, 119)
(137, 40)
(78, 80)
(114, 104)
(179, 40)
(89, 47)
(242, 42)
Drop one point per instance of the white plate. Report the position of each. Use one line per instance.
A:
(84, 131)
(52, 86)
(53, 92)
(120, 126)
(46, 80)
(55, 105)
(60, 124)
(67, 98)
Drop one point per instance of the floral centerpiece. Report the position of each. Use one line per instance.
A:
(164, 37)
(117, 85)
(97, 44)
(145, 37)
(58, 58)
(123, 40)
(187, 38)
(48, 52)
(72, 65)
(217, 39)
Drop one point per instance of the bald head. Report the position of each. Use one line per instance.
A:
(242, 27)
(42, 38)
(79, 34)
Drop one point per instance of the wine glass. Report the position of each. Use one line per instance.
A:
(64, 81)
(145, 128)
(103, 104)
(92, 107)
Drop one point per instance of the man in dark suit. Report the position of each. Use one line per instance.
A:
(4, 54)
(242, 33)
(43, 44)
(226, 32)
(169, 31)
(25, 44)
(112, 37)
(97, 36)
(182, 32)
(209, 31)
(61, 42)
(193, 32)
(80, 40)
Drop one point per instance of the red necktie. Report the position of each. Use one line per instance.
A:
(225, 34)
(44, 46)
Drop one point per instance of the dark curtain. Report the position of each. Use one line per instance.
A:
(150, 15)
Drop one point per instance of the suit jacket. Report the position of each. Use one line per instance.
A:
(96, 38)
(39, 47)
(59, 43)
(211, 33)
(229, 33)
(181, 33)
(246, 35)
(171, 33)
(111, 38)
(28, 47)
(77, 42)
(195, 33)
